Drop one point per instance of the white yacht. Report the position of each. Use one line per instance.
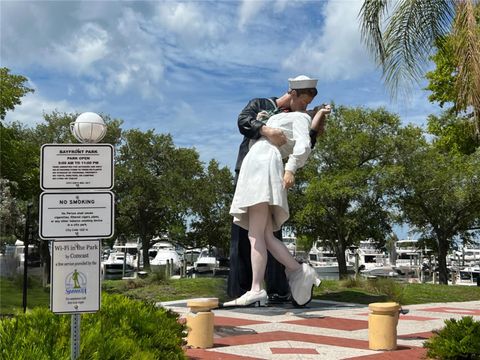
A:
(160, 253)
(470, 274)
(118, 265)
(191, 255)
(469, 255)
(207, 261)
(123, 260)
(291, 244)
(324, 260)
(369, 256)
(409, 253)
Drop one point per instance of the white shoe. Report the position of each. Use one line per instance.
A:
(259, 298)
(301, 283)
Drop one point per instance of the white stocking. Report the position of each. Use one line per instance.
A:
(278, 249)
(257, 219)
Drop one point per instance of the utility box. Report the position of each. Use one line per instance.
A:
(382, 326)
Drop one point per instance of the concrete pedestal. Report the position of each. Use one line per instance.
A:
(382, 326)
(200, 322)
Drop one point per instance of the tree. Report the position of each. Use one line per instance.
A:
(438, 192)
(212, 221)
(442, 84)
(402, 47)
(12, 89)
(441, 80)
(154, 186)
(339, 196)
(11, 219)
(452, 133)
(19, 160)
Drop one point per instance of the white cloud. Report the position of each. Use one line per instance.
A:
(30, 112)
(85, 48)
(248, 10)
(187, 22)
(336, 52)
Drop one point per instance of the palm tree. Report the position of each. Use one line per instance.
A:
(403, 39)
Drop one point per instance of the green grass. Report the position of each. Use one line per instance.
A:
(11, 295)
(162, 290)
(423, 293)
(366, 291)
(155, 288)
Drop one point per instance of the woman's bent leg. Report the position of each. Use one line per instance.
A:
(301, 277)
(278, 249)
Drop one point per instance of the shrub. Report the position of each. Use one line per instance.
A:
(388, 287)
(459, 339)
(351, 282)
(122, 329)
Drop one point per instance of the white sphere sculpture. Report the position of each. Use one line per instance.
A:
(88, 128)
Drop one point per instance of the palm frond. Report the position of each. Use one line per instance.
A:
(371, 18)
(403, 48)
(410, 39)
(466, 35)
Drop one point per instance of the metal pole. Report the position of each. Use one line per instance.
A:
(124, 261)
(357, 264)
(25, 257)
(75, 336)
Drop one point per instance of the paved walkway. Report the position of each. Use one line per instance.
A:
(323, 330)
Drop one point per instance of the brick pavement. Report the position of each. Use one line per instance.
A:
(323, 330)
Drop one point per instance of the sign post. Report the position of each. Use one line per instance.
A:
(76, 211)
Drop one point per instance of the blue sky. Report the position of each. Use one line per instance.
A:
(188, 67)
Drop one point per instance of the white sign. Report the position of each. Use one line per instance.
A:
(76, 215)
(76, 166)
(75, 286)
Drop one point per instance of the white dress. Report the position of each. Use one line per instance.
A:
(261, 175)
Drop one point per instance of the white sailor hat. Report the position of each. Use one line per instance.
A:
(302, 82)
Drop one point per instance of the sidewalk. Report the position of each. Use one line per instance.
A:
(323, 330)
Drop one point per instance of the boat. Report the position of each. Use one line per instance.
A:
(163, 252)
(382, 272)
(470, 274)
(369, 256)
(291, 244)
(118, 265)
(189, 258)
(410, 253)
(191, 255)
(123, 260)
(206, 261)
(469, 255)
(14, 259)
(211, 260)
(324, 260)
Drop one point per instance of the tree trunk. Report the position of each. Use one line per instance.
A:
(145, 248)
(342, 262)
(45, 258)
(442, 261)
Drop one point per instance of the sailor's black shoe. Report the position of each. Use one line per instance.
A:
(279, 299)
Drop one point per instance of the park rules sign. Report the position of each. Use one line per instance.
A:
(76, 166)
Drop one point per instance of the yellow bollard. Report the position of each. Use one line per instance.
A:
(200, 322)
(382, 326)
